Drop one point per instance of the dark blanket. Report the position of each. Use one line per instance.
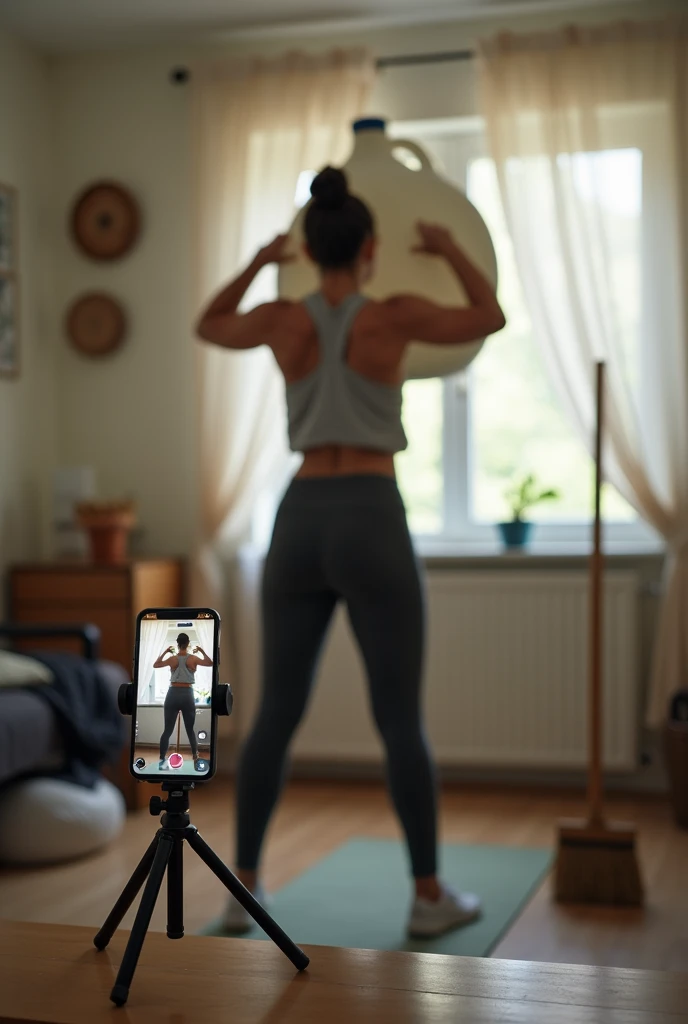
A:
(93, 730)
(678, 708)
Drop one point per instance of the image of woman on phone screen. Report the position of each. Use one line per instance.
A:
(180, 695)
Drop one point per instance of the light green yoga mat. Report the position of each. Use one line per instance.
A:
(359, 896)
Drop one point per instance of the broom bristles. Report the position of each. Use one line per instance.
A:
(598, 865)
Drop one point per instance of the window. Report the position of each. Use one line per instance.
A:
(470, 436)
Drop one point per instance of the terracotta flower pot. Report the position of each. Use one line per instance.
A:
(108, 527)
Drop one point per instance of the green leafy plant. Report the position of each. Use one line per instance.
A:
(525, 493)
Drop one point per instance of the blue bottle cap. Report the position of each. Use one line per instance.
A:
(367, 124)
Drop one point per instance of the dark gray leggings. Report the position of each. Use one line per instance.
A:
(179, 698)
(341, 538)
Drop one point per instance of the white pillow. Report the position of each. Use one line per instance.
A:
(18, 670)
(43, 821)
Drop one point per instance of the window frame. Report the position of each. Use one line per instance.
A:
(460, 531)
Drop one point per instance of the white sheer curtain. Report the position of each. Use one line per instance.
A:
(205, 629)
(151, 645)
(258, 124)
(589, 132)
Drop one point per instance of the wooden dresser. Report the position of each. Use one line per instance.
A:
(110, 597)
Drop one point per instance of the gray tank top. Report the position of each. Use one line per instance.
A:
(334, 404)
(182, 674)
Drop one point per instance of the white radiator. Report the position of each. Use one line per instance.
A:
(506, 673)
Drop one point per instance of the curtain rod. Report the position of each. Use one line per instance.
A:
(182, 75)
(409, 59)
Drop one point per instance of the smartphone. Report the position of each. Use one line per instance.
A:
(174, 726)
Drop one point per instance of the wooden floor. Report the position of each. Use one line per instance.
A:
(316, 817)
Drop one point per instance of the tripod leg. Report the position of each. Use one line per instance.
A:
(120, 992)
(241, 893)
(175, 892)
(127, 898)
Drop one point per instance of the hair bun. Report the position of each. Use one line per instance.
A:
(330, 189)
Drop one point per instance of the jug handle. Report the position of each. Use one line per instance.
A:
(414, 148)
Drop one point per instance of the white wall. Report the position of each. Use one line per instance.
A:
(27, 408)
(119, 116)
(130, 415)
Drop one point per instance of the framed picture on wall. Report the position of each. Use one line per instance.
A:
(8, 229)
(9, 325)
(9, 287)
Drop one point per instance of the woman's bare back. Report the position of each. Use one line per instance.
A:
(375, 348)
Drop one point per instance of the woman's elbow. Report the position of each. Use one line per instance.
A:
(201, 329)
(497, 321)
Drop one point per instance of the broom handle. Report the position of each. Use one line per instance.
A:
(595, 666)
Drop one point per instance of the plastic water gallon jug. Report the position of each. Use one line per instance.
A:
(399, 197)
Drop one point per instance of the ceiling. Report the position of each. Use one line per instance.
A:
(68, 25)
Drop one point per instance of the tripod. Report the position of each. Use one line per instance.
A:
(165, 854)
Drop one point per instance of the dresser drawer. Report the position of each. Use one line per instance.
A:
(73, 586)
(117, 629)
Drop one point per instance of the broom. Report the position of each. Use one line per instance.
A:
(596, 860)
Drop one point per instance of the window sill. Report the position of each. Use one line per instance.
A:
(446, 553)
(160, 703)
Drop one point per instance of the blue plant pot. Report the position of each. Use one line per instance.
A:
(516, 533)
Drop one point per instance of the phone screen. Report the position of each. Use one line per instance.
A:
(176, 677)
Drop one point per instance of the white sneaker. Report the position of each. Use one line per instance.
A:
(451, 910)
(238, 920)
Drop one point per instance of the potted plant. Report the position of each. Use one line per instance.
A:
(521, 496)
(108, 524)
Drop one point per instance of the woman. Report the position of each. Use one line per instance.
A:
(341, 532)
(180, 695)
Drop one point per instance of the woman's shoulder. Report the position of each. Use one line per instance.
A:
(383, 314)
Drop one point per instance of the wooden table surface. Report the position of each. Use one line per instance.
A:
(53, 975)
